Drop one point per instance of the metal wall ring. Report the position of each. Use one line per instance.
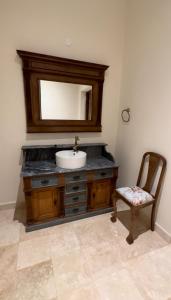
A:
(125, 118)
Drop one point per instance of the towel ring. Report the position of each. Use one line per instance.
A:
(125, 114)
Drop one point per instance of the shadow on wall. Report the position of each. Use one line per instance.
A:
(20, 211)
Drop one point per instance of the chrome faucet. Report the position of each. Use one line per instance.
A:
(75, 148)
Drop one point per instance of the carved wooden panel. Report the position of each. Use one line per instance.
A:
(38, 67)
(100, 194)
(44, 204)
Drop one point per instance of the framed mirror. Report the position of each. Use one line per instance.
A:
(62, 95)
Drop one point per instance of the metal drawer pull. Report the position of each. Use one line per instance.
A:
(75, 210)
(44, 182)
(75, 198)
(76, 177)
(75, 188)
(103, 174)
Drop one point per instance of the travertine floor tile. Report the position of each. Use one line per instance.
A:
(102, 259)
(25, 236)
(6, 215)
(83, 292)
(9, 294)
(32, 252)
(70, 269)
(64, 239)
(118, 286)
(95, 232)
(9, 233)
(8, 266)
(145, 243)
(152, 273)
(36, 283)
(90, 260)
(117, 229)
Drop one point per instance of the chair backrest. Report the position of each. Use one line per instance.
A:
(154, 162)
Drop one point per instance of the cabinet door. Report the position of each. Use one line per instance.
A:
(45, 204)
(100, 193)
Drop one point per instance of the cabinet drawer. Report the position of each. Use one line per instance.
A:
(69, 200)
(75, 187)
(44, 181)
(106, 173)
(71, 211)
(75, 177)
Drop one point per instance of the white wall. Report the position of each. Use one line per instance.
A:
(146, 89)
(96, 28)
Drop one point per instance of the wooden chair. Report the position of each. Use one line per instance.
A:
(137, 197)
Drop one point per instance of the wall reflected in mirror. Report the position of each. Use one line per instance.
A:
(65, 101)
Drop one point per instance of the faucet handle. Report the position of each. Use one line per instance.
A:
(77, 138)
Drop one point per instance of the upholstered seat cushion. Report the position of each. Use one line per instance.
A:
(135, 195)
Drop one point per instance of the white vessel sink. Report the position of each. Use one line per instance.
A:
(68, 159)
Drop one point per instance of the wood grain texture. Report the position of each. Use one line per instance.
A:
(45, 203)
(99, 194)
(154, 161)
(38, 67)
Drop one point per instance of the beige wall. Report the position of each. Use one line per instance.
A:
(95, 28)
(146, 89)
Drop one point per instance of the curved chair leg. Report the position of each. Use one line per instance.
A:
(114, 214)
(130, 237)
(153, 217)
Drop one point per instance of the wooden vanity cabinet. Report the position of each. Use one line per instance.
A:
(99, 194)
(59, 197)
(44, 198)
(44, 204)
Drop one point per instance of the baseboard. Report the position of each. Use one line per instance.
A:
(163, 233)
(7, 205)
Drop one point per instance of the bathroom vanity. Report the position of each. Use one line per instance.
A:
(64, 95)
(55, 195)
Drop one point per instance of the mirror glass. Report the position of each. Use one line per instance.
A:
(65, 101)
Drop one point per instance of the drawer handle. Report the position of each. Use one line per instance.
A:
(75, 198)
(75, 210)
(103, 174)
(76, 177)
(44, 182)
(75, 188)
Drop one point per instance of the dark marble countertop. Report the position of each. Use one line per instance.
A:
(36, 168)
(40, 159)
(62, 146)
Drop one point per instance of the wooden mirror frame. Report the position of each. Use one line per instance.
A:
(38, 67)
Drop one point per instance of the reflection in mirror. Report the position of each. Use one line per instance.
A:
(65, 101)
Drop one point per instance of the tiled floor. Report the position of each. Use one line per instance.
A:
(84, 260)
